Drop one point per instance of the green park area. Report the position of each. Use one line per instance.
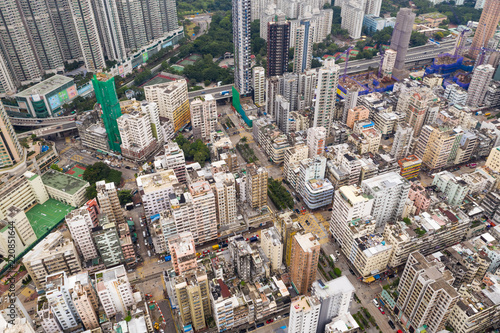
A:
(44, 217)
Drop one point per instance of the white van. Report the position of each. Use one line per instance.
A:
(375, 302)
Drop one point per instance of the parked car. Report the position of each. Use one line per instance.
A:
(206, 252)
(391, 324)
(269, 321)
(381, 310)
(260, 325)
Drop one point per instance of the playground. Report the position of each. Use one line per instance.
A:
(43, 217)
(76, 171)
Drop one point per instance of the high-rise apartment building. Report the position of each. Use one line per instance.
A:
(304, 261)
(17, 218)
(270, 242)
(109, 202)
(88, 37)
(349, 203)
(140, 129)
(114, 290)
(194, 211)
(316, 137)
(293, 156)
(481, 78)
(225, 198)
(486, 27)
(155, 189)
(401, 39)
(58, 293)
(418, 104)
(256, 186)
(193, 294)
(426, 296)
(183, 252)
(304, 315)
(402, 142)
(328, 79)
(16, 48)
(54, 254)
(352, 19)
(85, 300)
(435, 145)
(259, 85)
(105, 92)
(493, 161)
(174, 160)
(389, 192)
(335, 297)
(315, 190)
(203, 116)
(454, 188)
(389, 62)
(110, 29)
(80, 224)
(304, 37)
(11, 151)
(278, 37)
(172, 100)
(283, 109)
(241, 40)
(273, 89)
(72, 299)
(289, 89)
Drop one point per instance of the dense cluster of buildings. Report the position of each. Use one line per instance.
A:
(38, 39)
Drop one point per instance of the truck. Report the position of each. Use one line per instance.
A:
(144, 234)
(224, 93)
(168, 258)
(216, 247)
(149, 253)
(253, 239)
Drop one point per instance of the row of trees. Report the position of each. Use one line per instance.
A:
(192, 6)
(279, 195)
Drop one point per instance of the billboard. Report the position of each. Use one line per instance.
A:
(85, 88)
(63, 96)
(72, 93)
(145, 57)
(54, 102)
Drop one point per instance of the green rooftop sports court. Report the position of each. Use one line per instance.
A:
(76, 171)
(44, 217)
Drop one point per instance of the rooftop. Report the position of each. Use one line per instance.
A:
(157, 181)
(46, 86)
(63, 182)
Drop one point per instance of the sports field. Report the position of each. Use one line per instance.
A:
(157, 80)
(76, 171)
(178, 68)
(43, 217)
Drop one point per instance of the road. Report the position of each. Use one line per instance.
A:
(419, 53)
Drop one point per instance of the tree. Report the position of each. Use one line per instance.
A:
(125, 196)
(55, 167)
(315, 63)
(101, 171)
(337, 271)
(91, 192)
(439, 35)
(196, 29)
(417, 39)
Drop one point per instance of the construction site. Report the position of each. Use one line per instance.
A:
(365, 83)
